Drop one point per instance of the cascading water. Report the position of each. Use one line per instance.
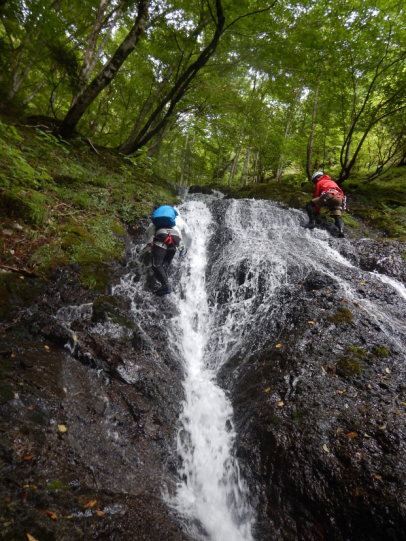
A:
(211, 489)
(228, 302)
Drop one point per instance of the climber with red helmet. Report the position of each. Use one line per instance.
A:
(326, 194)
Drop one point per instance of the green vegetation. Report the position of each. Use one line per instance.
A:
(343, 315)
(237, 95)
(381, 351)
(65, 203)
(348, 367)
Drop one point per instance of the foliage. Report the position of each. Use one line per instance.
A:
(80, 213)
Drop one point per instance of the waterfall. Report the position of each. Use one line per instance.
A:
(231, 295)
(211, 488)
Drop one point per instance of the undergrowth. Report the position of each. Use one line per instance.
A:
(66, 202)
(379, 204)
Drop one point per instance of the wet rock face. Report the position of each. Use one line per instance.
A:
(319, 418)
(89, 406)
(385, 257)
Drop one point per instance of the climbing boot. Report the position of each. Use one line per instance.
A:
(312, 216)
(340, 225)
(310, 225)
(163, 291)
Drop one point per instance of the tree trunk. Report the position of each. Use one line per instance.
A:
(244, 173)
(159, 118)
(310, 143)
(107, 74)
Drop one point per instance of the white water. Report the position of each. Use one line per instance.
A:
(211, 489)
(220, 310)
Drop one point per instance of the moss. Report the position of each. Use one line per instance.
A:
(348, 367)
(357, 352)
(17, 291)
(380, 351)
(95, 277)
(343, 315)
(298, 415)
(274, 420)
(28, 205)
(6, 392)
(56, 485)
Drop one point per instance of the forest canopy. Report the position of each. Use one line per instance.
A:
(215, 91)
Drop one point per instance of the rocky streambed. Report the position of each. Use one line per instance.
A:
(90, 401)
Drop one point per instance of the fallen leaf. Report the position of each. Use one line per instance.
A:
(22, 277)
(387, 370)
(339, 430)
(330, 368)
(367, 435)
(31, 537)
(75, 338)
(267, 389)
(382, 427)
(377, 476)
(352, 435)
(89, 504)
(281, 403)
(13, 355)
(65, 390)
(311, 322)
(68, 516)
(359, 492)
(46, 347)
(325, 448)
(27, 457)
(341, 391)
(62, 428)
(100, 513)
(278, 346)
(52, 515)
(363, 283)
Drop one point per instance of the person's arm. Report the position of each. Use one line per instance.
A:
(184, 230)
(150, 233)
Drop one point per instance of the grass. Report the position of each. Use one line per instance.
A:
(69, 203)
(64, 202)
(378, 205)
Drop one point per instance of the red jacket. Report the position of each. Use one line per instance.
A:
(325, 184)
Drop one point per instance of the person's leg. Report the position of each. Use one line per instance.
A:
(158, 256)
(340, 225)
(170, 254)
(335, 207)
(311, 214)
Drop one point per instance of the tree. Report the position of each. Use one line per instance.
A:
(108, 72)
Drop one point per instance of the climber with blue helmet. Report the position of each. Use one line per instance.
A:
(166, 233)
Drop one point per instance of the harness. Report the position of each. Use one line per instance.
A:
(169, 240)
(333, 191)
(166, 239)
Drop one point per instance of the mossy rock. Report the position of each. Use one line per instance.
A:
(16, 292)
(348, 367)
(27, 205)
(343, 315)
(381, 352)
(95, 276)
(357, 352)
(112, 307)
